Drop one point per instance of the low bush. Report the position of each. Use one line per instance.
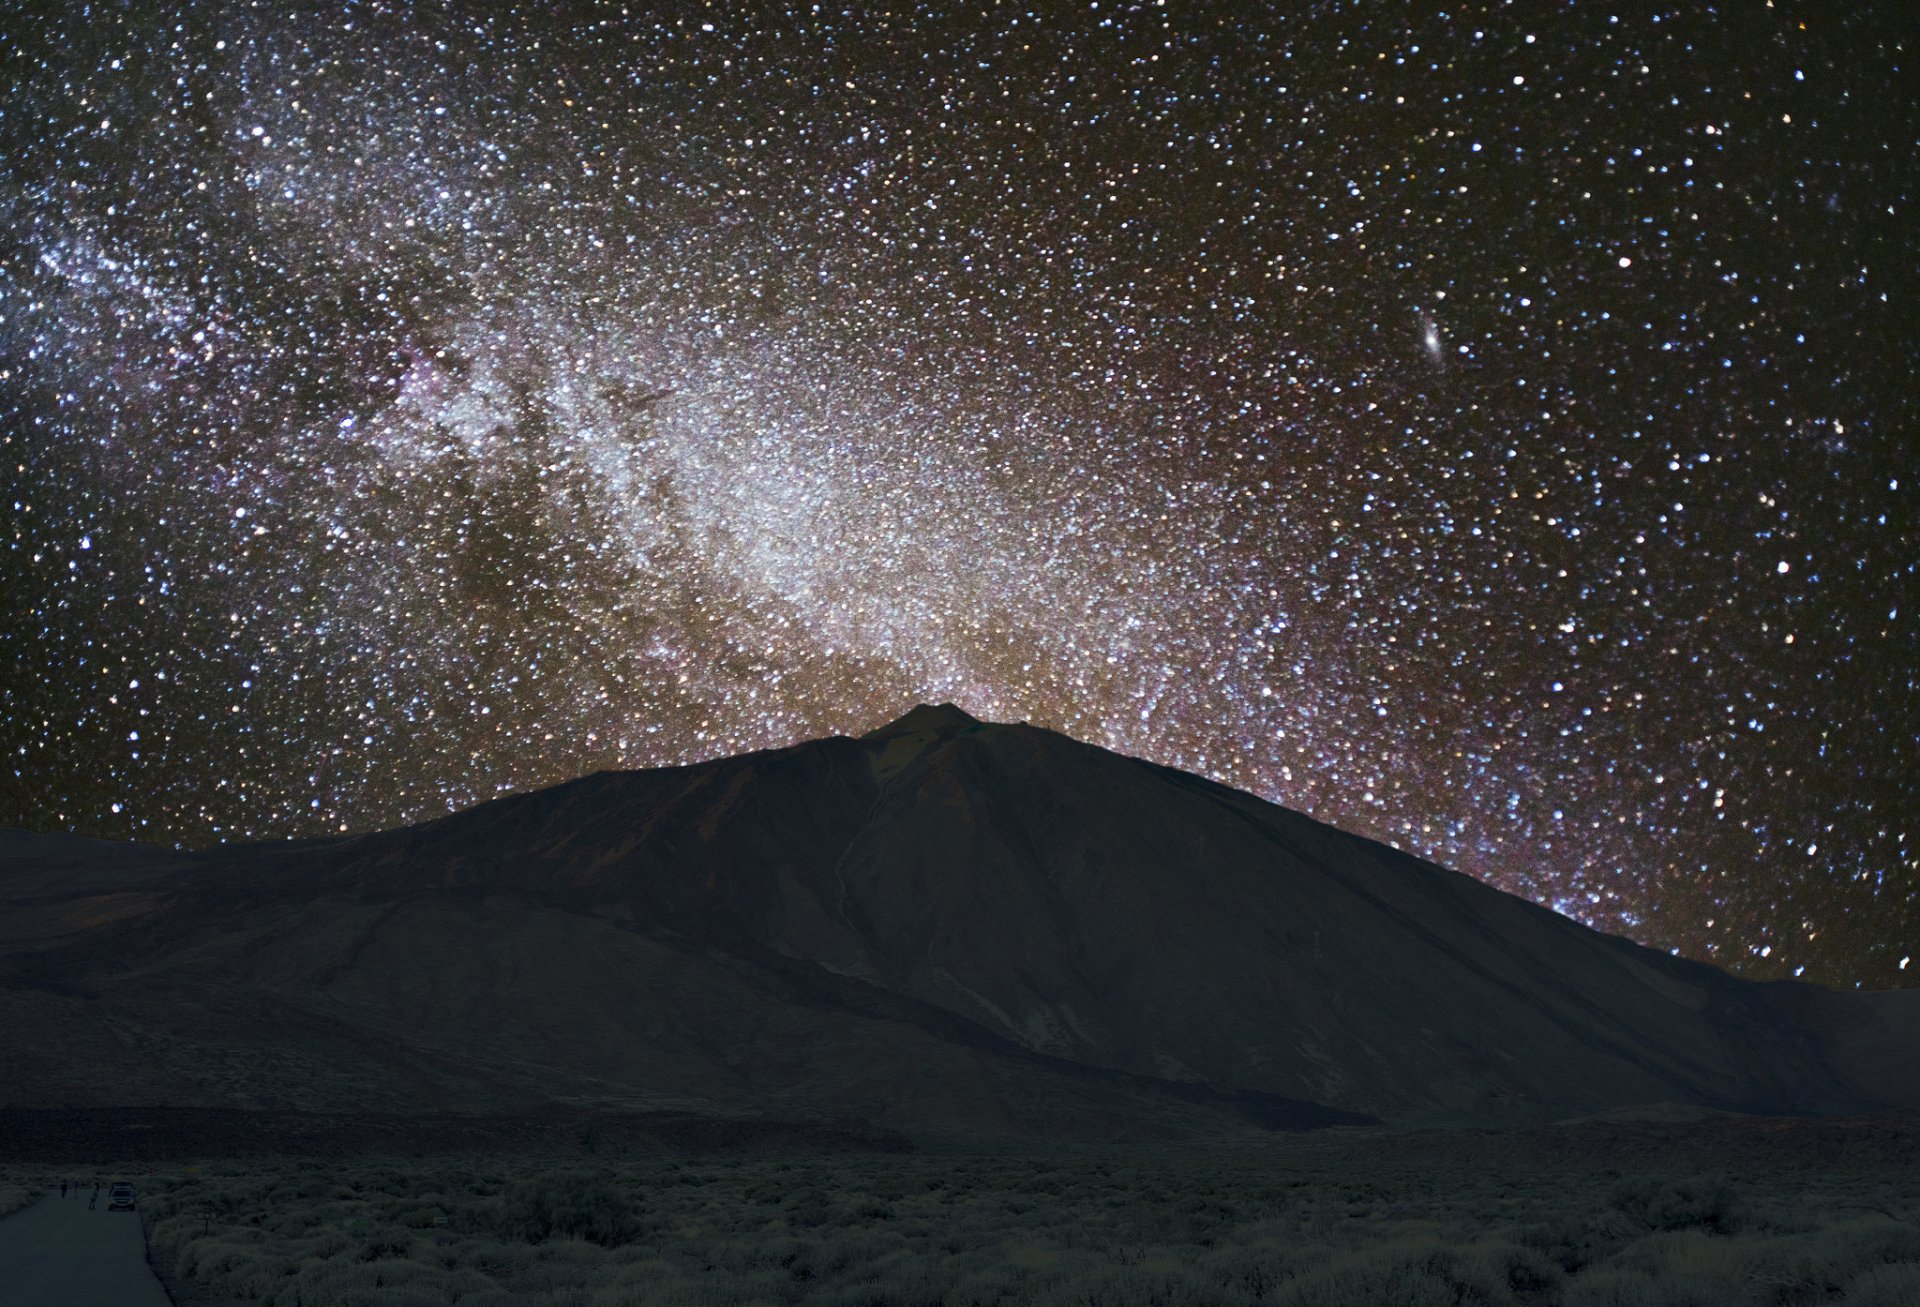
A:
(568, 1205)
(1260, 1266)
(1629, 1288)
(1816, 1266)
(1662, 1203)
(1393, 1276)
(1886, 1286)
(14, 1197)
(1687, 1252)
(1495, 1270)
(1137, 1286)
(380, 1245)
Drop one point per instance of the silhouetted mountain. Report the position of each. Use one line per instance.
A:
(942, 926)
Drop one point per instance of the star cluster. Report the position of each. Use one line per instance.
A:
(1487, 428)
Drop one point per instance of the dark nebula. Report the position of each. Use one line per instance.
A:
(1491, 430)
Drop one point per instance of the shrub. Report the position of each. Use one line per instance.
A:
(174, 1231)
(807, 1207)
(1495, 1270)
(561, 1264)
(233, 1269)
(1625, 1288)
(1694, 1254)
(1706, 1202)
(1886, 1286)
(568, 1205)
(490, 1256)
(13, 1197)
(1820, 1265)
(403, 1295)
(363, 1284)
(1565, 1244)
(330, 1243)
(1137, 1286)
(1394, 1277)
(1259, 1269)
(383, 1244)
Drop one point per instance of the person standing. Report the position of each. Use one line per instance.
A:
(96, 1196)
(63, 1188)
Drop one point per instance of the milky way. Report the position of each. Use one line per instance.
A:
(1488, 430)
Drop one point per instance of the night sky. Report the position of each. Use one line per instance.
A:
(1488, 428)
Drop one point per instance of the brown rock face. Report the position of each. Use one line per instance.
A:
(943, 926)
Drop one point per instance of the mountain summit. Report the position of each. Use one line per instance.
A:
(943, 925)
(939, 719)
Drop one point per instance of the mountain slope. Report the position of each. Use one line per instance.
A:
(943, 924)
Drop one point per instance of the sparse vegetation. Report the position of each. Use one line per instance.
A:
(1074, 1231)
(14, 1195)
(1679, 1203)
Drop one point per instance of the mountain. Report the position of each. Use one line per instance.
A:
(944, 927)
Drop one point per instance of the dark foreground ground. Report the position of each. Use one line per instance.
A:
(1662, 1210)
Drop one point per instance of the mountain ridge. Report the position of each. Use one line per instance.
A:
(940, 923)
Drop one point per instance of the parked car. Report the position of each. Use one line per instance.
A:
(120, 1198)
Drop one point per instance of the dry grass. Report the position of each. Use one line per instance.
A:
(1072, 1231)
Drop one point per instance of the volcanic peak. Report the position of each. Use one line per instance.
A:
(926, 719)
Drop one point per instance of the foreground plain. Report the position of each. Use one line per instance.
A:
(1401, 1220)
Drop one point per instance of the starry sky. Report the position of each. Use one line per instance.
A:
(1486, 427)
